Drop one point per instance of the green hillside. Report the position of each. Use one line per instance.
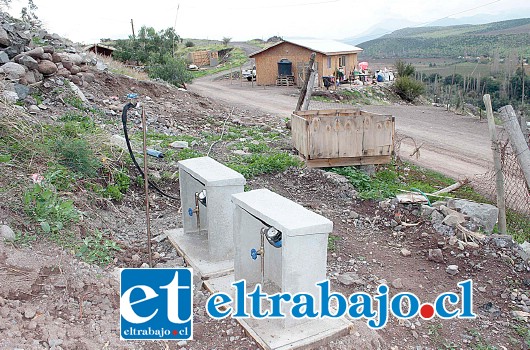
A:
(453, 41)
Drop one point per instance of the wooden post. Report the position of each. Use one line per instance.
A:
(241, 75)
(303, 91)
(146, 188)
(230, 73)
(517, 141)
(499, 178)
(132, 26)
(309, 90)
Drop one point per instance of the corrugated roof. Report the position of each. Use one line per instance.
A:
(327, 47)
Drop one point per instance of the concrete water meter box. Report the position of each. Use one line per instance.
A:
(206, 239)
(297, 261)
(281, 246)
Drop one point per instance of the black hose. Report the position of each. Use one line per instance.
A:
(124, 122)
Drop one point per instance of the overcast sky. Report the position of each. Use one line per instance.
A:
(88, 21)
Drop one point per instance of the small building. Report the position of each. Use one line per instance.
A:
(285, 63)
(100, 49)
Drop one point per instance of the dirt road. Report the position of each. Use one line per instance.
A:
(452, 144)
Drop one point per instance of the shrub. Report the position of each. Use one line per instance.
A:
(189, 43)
(408, 88)
(42, 203)
(404, 69)
(76, 155)
(174, 71)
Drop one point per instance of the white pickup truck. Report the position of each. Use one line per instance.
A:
(249, 74)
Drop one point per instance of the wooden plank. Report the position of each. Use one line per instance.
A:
(350, 136)
(300, 134)
(323, 138)
(346, 161)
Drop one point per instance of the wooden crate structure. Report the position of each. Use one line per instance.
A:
(341, 137)
(204, 58)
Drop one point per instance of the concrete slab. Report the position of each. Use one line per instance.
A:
(193, 247)
(271, 334)
(309, 335)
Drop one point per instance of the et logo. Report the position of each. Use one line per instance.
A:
(156, 304)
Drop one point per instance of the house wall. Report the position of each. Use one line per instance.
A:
(267, 63)
(351, 63)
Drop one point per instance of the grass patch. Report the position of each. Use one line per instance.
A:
(96, 249)
(332, 242)
(257, 164)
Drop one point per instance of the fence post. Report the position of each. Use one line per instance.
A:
(499, 178)
(517, 141)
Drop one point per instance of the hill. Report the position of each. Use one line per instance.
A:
(453, 41)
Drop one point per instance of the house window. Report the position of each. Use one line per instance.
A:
(342, 61)
(329, 62)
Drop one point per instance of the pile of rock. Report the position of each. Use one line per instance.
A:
(22, 63)
(447, 215)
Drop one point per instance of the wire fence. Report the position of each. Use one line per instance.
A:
(516, 191)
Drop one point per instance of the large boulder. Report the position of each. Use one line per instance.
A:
(47, 56)
(484, 215)
(4, 58)
(47, 67)
(63, 72)
(14, 71)
(4, 38)
(67, 64)
(22, 91)
(30, 77)
(10, 96)
(36, 52)
(56, 58)
(29, 62)
(72, 57)
(48, 49)
(75, 69)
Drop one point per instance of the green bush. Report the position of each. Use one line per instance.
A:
(404, 69)
(174, 71)
(76, 155)
(53, 213)
(189, 43)
(408, 88)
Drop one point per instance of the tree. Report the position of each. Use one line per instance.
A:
(404, 69)
(408, 88)
(226, 40)
(150, 46)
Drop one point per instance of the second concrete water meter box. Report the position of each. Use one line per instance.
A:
(206, 240)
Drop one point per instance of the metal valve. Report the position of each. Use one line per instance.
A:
(254, 253)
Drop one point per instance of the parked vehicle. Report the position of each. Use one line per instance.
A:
(249, 74)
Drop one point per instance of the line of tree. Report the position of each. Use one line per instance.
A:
(157, 51)
(456, 89)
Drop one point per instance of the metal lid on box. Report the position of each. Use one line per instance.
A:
(285, 215)
(210, 172)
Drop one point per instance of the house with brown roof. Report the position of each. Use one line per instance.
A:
(287, 60)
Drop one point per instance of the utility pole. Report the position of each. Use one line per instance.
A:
(175, 29)
(132, 26)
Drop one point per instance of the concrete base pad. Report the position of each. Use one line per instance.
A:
(270, 333)
(193, 248)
